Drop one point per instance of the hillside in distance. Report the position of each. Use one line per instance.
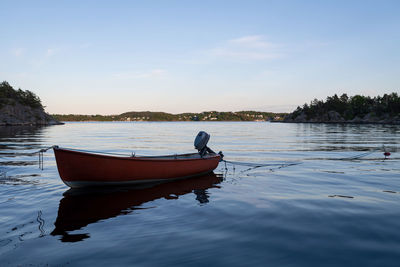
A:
(162, 116)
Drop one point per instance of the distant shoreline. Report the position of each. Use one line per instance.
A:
(271, 121)
(136, 116)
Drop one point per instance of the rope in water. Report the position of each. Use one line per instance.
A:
(359, 156)
(364, 154)
(259, 165)
(252, 165)
(41, 152)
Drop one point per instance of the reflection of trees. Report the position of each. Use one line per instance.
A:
(20, 137)
(17, 144)
(12, 131)
(81, 207)
(346, 137)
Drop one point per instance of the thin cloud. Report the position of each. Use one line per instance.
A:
(244, 55)
(18, 51)
(85, 45)
(313, 44)
(248, 48)
(254, 41)
(51, 52)
(154, 73)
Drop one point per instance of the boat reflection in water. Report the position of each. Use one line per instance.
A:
(81, 207)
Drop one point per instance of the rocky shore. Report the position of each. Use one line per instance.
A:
(335, 117)
(22, 108)
(17, 114)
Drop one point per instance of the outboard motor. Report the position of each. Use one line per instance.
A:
(200, 143)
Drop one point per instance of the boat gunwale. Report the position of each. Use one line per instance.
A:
(164, 158)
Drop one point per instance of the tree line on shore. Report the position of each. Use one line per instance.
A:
(352, 107)
(163, 116)
(9, 96)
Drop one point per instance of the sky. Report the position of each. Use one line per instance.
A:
(110, 57)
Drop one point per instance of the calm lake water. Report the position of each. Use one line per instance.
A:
(329, 210)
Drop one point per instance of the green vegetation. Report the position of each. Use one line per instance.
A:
(162, 116)
(19, 107)
(9, 96)
(352, 107)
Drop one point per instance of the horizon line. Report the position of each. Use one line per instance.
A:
(174, 113)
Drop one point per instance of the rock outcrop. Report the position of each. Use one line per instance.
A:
(18, 114)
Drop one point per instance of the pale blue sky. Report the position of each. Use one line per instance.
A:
(108, 57)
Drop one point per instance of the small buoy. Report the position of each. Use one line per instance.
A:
(386, 154)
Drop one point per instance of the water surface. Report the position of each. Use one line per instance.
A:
(329, 210)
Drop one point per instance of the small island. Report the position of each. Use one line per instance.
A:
(22, 108)
(355, 109)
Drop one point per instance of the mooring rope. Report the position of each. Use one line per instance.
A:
(252, 165)
(359, 156)
(41, 152)
(364, 154)
(260, 165)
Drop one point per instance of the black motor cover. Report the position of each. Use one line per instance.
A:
(201, 140)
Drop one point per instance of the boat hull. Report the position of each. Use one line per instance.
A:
(81, 169)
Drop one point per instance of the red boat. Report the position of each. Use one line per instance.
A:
(79, 169)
